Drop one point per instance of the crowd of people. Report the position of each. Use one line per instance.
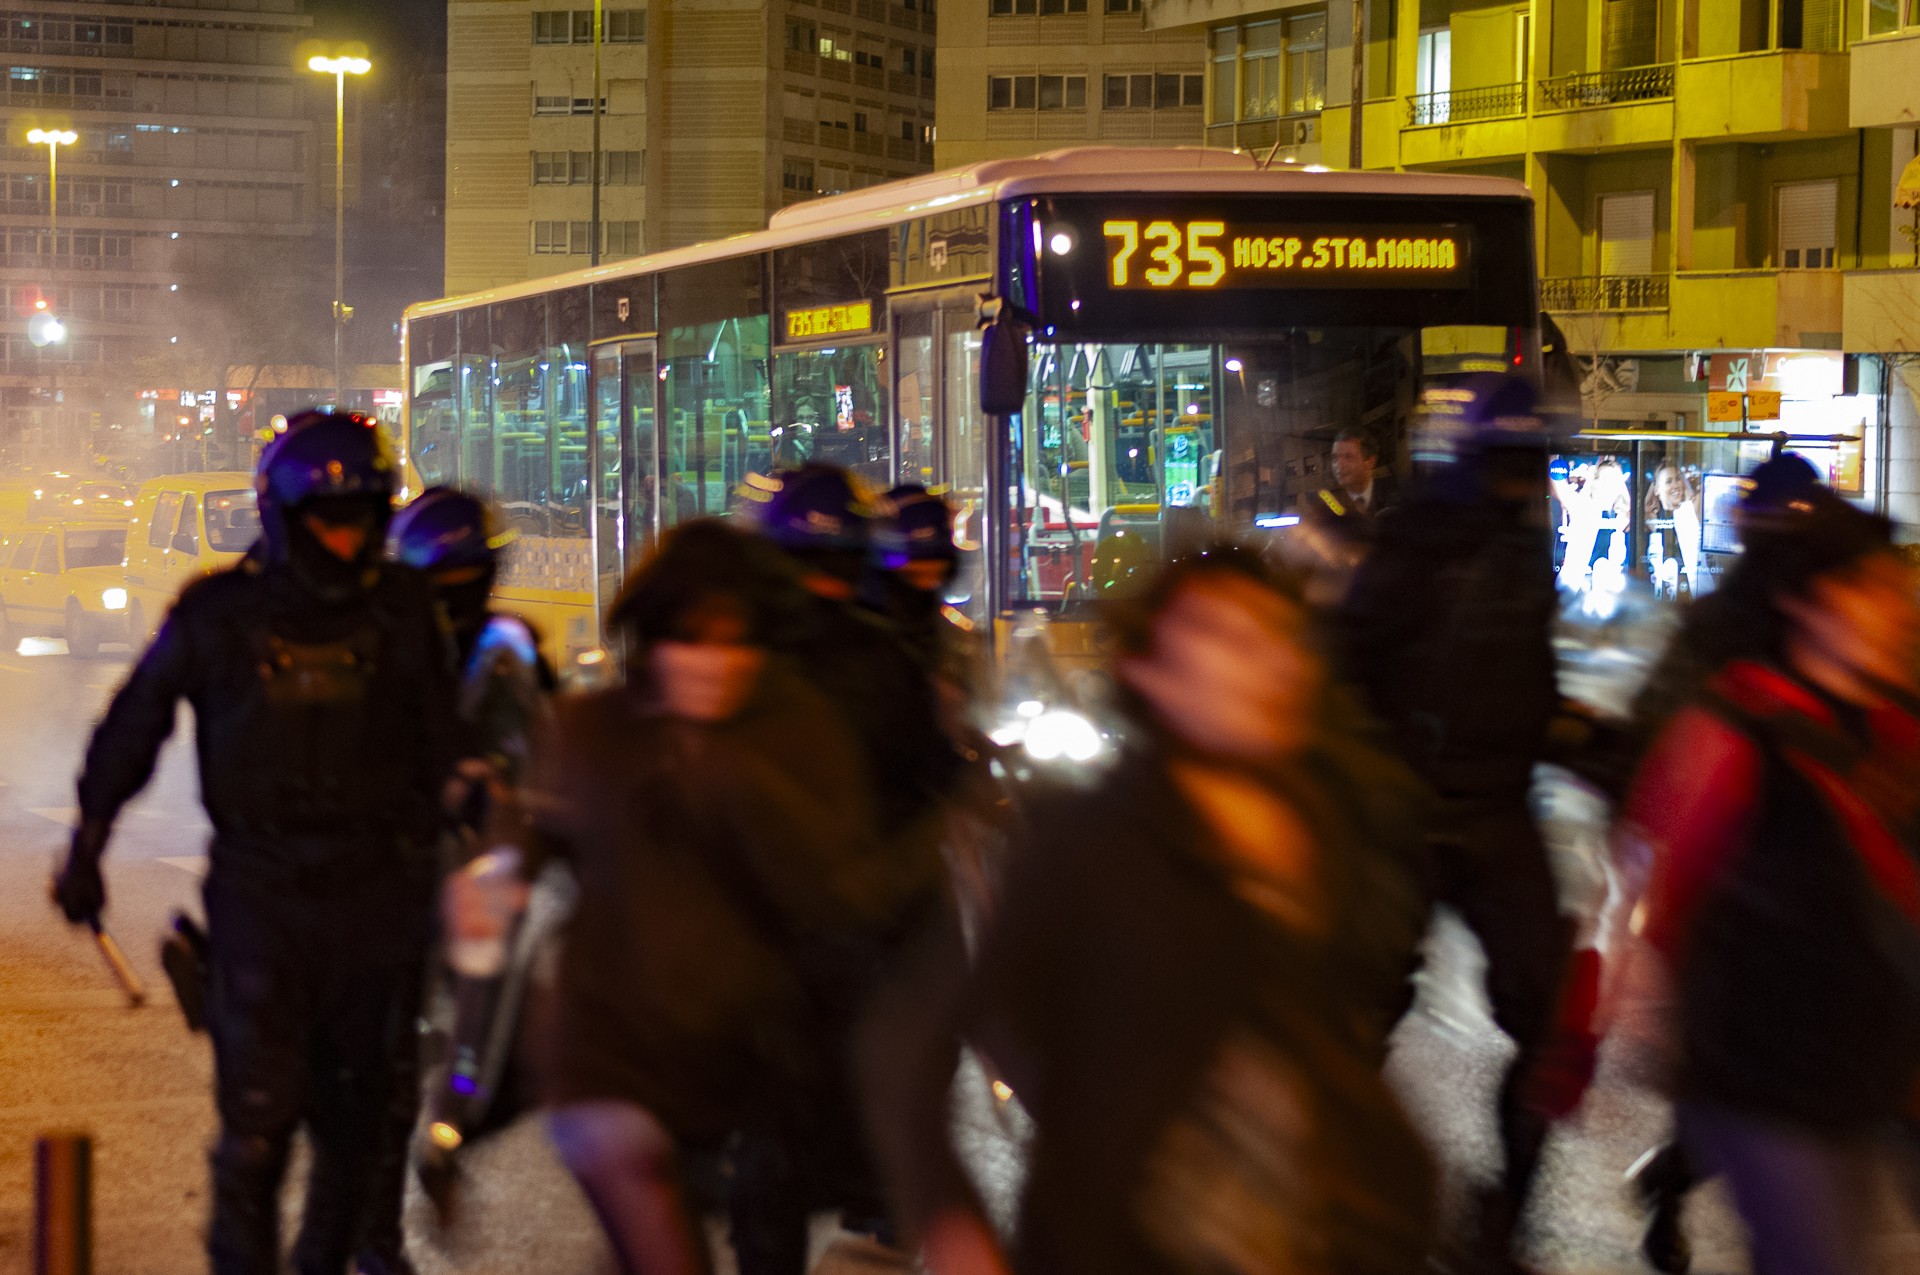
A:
(800, 882)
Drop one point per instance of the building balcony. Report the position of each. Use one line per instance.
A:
(1756, 309)
(1465, 125)
(1883, 88)
(1285, 131)
(1758, 97)
(1604, 111)
(1595, 293)
(1882, 311)
(1605, 88)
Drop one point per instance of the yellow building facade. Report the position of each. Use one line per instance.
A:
(1715, 179)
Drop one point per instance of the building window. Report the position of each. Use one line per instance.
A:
(1433, 65)
(836, 45)
(1262, 70)
(543, 105)
(624, 168)
(575, 26)
(1036, 92)
(926, 64)
(562, 238)
(620, 239)
(1123, 6)
(860, 121)
(797, 174)
(1805, 220)
(544, 167)
(116, 303)
(1626, 233)
(1008, 8)
(906, 62)
(1157, 91)
(1049, 7)
(801, 38)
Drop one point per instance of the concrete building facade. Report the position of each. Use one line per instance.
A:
(200, 147)
(715, 114)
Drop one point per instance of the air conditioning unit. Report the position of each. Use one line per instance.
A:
(87, 263)
(1305, 131)
(89, 210)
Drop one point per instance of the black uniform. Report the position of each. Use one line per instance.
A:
(324, 728)
(1448, 631)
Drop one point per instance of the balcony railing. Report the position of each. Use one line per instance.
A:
(1582, 293)
(1490, 103)
(1603, 88)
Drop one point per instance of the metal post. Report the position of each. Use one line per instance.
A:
(1358, 96)
(63, 1204)
(593, 231)
(339, 231)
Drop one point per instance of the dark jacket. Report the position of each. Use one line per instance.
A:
(1447, 631)
(1139, 1003)
(1787, 896)
(731, 896)
(325, 729)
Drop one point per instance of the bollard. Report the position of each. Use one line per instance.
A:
(63, 1204)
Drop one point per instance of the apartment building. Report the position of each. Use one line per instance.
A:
(1020, 76)
(198, 148)
(714, 114)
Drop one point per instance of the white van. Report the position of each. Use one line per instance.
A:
(184, 526)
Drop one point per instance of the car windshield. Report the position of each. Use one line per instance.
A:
(232, 521)
(96, 547)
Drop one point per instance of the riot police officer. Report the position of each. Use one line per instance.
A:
(456, 542)
(1447, 629)
(322, 701)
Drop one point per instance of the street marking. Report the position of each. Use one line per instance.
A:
(194, 863)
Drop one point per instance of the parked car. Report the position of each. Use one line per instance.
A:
(65, 580)
(184, 526)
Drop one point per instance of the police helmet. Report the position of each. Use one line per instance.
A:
(914, 526)
(1778, 495)
(446, 530)
(1487, 411)
(814, 509)
(323, 455)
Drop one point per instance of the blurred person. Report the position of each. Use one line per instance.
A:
(1713, 632)
(1447, 631)
(323, 711)
(715, 811)
(1188, 980)
(455, 541)
(822, 527)
(913, 560)
(1782, 811)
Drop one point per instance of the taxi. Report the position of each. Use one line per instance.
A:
(65, 579)
(184, 526)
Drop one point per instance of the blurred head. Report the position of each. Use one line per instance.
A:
(913, 538)
(817, 517)
(455, 540)
(1484, 438)
(696, 616)
(1213, 651)
(1354, 457)
(1831, 592)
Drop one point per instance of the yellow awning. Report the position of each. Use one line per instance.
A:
(1907, 193)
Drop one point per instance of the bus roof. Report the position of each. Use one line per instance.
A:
(1089, 169)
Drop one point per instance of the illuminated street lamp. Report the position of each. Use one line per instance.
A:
(339, 68)
(53, 139)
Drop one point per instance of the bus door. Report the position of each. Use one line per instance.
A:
(625, 461)
(942, 437)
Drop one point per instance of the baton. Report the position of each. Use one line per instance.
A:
(117, 962)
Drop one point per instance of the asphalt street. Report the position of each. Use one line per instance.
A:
(74, 1057)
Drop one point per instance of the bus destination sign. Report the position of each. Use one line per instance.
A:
(1196, 255)
(850, 319)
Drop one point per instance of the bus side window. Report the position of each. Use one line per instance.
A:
(914, 396)
(166, 514)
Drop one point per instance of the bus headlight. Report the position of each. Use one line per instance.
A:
(113, 599)
(1062, 735)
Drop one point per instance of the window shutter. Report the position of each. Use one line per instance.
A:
(1630, 33)
(1626, 233)
(1806, 224)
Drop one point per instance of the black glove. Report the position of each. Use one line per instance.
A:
(79, 891)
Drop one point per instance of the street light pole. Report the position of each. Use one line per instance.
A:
(339, 68)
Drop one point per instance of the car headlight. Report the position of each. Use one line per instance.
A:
(1060, 734)
(113, 599)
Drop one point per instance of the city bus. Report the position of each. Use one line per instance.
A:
(1196, 328)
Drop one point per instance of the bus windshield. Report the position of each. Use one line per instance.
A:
(1128, 451)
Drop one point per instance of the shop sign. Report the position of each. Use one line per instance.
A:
(1763, 405)
(1800, 374)
(1723, 408)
